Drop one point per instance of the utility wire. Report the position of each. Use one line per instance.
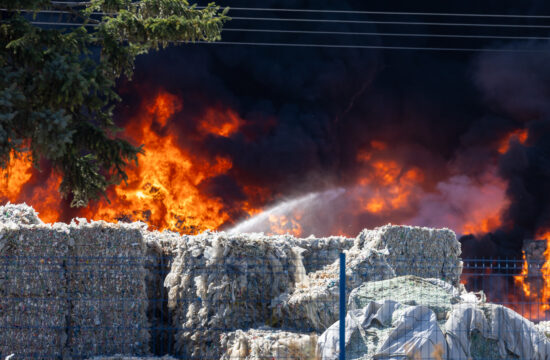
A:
(340, 46)
(322, 32)
(315, 32)
(355, 11)
(374, 47)
(343, 21)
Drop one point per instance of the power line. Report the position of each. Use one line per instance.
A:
(344, 21)
(373, 47)
(357, 11)
(321, 32)
(309, 45)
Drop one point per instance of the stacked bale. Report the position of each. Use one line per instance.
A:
(220, 282)
(313, 305)
(320, 252)
(106, 282)
(33, 290)
(157, 266)
(420, 251)
(378, 254)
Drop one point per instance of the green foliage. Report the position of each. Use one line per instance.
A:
(57, 86)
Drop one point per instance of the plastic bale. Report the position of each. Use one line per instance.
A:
(420, 251)
(266, 343)
(313, 304)
(33, 306)
(20, 214)
(125, 357)
(409, 290)
(108, 295)
(220, 282)
(320, 252)
(157, 266)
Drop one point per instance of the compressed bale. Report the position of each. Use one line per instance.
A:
(19, 213)
(409, 290)
(220, 282)
(125, 357)
(321, 252)
(420, 251)
(313, 304)
(33, 306)
(544, 327)
(106, 278)
(266, 343)
(157, 267)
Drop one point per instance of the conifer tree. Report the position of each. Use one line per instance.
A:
(57, 85)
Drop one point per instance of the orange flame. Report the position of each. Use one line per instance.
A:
(281, 224)
(220, 123)
(392, 186)
(519, 135)
(17, 174)
(538, 297)
(164, 190)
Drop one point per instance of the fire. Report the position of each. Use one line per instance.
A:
(521, 278)
(538, 297)
(281, 224)
(164, 189)
(482, 225)
(519, 135)
(17, 174)
(220, 123)
(391, 186)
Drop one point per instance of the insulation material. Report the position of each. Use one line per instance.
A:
(220, 282)
(106, 282)
(33, 306)
(420, 251)
(266, 343)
